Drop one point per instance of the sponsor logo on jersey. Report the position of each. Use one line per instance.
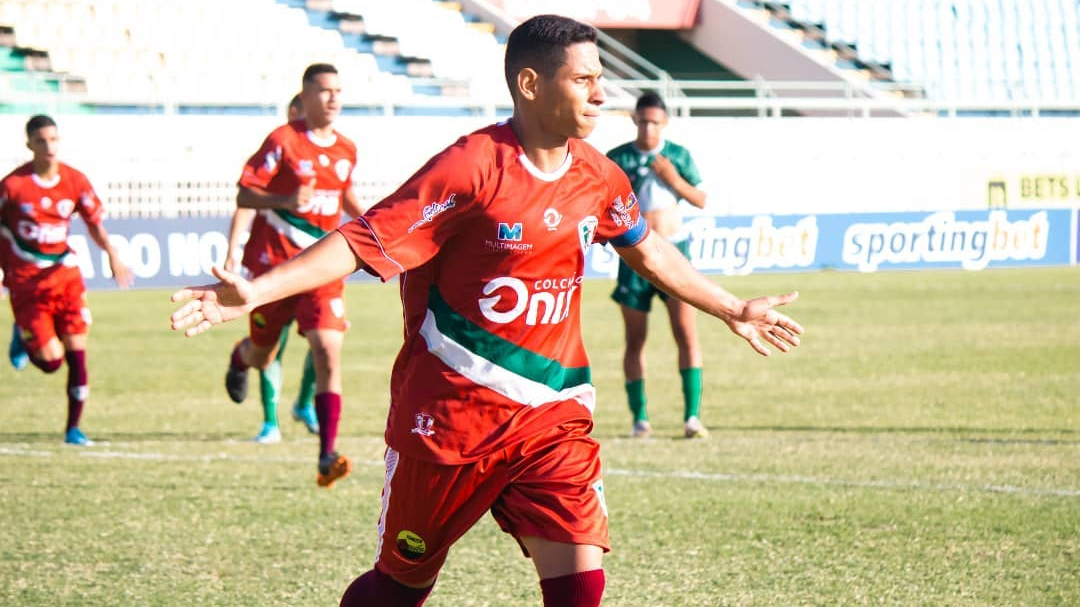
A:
(620, 211)
(433, 210)
(46, 202)
(424, 425)
(552, 219)
(271, 160)
(410, 545)
(342, 168)
(65, 207)
(324, 160)
(586, 231)
(46, 233)
(305, 168)
(507, 299)
(510, 232)
(27, 208)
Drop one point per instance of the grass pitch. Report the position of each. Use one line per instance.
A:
(921, 448)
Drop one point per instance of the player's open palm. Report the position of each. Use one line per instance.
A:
(212, 304)
(759, 322)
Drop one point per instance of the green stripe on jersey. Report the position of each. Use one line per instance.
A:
(302, 233)
(499, 364)
(26, 252)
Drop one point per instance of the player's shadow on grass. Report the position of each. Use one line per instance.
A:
(125, 437)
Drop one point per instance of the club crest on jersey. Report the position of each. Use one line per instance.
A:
(46, 202)
(552, 219)
(424, 425)
(324, 160)
(586, 230)
(433, 210)
(65, 207)
(510, 232)
(342, 168)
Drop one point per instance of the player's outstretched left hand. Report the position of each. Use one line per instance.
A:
(212, 304)
(759, 321)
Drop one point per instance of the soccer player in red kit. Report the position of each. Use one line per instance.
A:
(491, 399)
(299, 181)
(48, 295)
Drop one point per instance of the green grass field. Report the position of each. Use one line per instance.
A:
(921, 448)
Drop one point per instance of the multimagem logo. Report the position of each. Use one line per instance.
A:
(510, 232)
(942, 238)
(433, 210)
(548, 302)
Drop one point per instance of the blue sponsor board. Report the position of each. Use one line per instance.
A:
(181, 251)
(868, 242)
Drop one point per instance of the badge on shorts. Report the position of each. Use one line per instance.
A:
(410, 545)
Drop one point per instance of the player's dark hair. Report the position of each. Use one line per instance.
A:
(296, 102)
(318, 68)
(38, 122)
(540, 43)
(650, 99)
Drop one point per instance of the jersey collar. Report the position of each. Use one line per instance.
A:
(552, 176)
(42, 183)
(323, 142)
(655, 150)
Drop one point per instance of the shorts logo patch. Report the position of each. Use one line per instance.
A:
(87, 318)
(337, 306)
(598, 487)
(410, 545)
(258, 320)
(425, 425)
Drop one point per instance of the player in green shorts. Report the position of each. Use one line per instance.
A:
(662, 173)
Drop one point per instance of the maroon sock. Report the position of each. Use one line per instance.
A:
(328, 411)
(236, 361)
(48, 366)
(575, 590)
(76, 386)
(377, 588)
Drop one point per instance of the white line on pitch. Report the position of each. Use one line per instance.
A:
(677, 474)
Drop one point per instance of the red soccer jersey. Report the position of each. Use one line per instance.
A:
(34, 220)
(491, 254)
(290, 157)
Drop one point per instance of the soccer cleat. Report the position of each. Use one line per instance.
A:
(236, 381)
(17, 350)
(269, 435)
(331, 468)
(74, 436)
(306, 414)
(693, 428)
(641, 429)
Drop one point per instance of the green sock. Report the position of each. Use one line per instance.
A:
(306, 398)
(270, 380)
(691, 390)
(269, 389)
(635, 393)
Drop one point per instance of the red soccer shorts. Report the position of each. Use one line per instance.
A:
(322, 308)
(51, 307)
(547, 486)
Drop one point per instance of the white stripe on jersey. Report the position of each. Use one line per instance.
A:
(299, 237)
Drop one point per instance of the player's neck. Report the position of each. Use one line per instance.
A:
(546, 151)
(45, 169)
(323, 131)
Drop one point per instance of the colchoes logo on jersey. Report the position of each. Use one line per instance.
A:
(547, 302)
(410, 545)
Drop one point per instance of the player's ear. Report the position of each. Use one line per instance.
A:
(528, 81)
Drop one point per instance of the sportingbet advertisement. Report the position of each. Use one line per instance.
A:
(178, 252)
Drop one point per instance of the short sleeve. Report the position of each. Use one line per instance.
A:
(90, 208)
(621, 222)
(688, 169)
(261, 168)
(406, 229)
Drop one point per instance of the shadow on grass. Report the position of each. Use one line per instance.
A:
(124, 437)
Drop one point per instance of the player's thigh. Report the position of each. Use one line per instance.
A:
(426, 507)
(36, 321)
(558, 492)
(266, 322)
(72, 315)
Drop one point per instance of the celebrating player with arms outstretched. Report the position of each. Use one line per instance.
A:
(491, 400)
(48, 295)
(300, 180)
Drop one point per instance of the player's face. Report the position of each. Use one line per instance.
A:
(650, 123)
(44, 143)
(569, 102)
(321, 99)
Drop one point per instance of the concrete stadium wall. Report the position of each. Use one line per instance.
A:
(189, 164)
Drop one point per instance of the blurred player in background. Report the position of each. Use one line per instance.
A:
(491, 397)
(303, 409)
(48, 295)
(662, 173)
(299, 182)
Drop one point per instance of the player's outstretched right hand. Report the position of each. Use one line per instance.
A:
(212, 304)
